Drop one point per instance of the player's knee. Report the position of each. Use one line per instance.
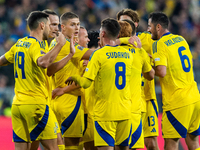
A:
(151, 144)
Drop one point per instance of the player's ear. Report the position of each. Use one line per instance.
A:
(62, 26)
(158, 27)
(42, 25)
(103, 33)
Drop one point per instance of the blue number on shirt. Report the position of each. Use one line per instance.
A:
(120, 70)
(20, 57)
(183, 58)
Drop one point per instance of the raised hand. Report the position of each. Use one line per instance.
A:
(60, 38)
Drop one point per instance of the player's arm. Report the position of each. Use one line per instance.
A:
(134, 40)
(149, 75)
(67, 89)
(4, 61)
(160, 59)
(47, 59)
(87, 54)
(160, 70)
(82, 81)
(55, 67)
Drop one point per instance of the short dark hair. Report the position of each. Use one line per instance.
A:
(129, 12)
(68, 15)
(35, 17)
(50, 12)
(132, 26)
(93, 36)
(112, 27)
(159, 18)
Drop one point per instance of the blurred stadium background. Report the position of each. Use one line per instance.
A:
(184, 20)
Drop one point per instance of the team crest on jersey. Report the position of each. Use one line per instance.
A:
(157, 59)
(80, 47)
(42, 52)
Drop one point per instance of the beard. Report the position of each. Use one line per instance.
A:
(154, 35)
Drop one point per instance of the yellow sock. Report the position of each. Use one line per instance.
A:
(71, 147)
(80, 147)
(198, 148)
(61, 147)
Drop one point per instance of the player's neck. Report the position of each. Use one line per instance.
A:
(38, 35)
(109, 42)
(163, 32)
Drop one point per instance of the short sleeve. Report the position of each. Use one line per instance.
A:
(36, 52)
(159, 54)
(10, 54)
(92, 67)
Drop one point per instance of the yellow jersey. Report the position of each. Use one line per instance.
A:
(31, 81)
(140, 64)
(178, 86)
(110, 68)
(73, 65)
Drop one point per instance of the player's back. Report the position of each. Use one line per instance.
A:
(178, 85)
(72, 67)
(141, 64)
(30, 80)
(112, 66)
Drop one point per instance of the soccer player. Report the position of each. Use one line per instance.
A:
(141, 65)
(32, 118)
(149, 101)
(54, 23)
(88, 133)
(180, 95)
(68, 107)
(83, 37)
(111, 66)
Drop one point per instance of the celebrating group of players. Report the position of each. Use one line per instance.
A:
(67, 103)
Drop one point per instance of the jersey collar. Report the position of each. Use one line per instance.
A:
(32, 37)
(111, 45)
(166, 34)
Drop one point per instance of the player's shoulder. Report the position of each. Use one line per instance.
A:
(145, 33)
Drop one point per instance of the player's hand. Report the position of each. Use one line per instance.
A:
(57, 92)
(135, 41)
(69, 81)
(60, 39)
(72, 42)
